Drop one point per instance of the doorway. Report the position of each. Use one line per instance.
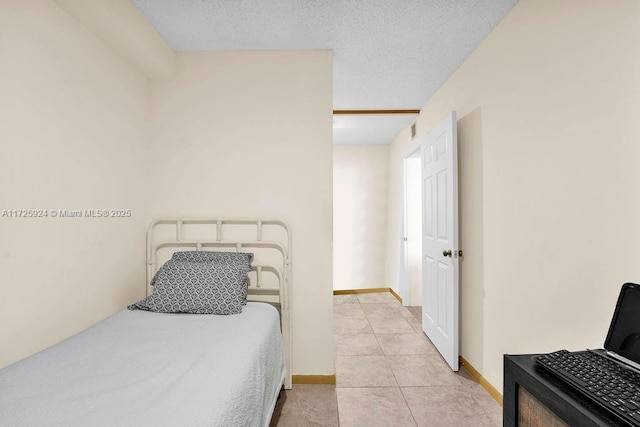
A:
(413, 228)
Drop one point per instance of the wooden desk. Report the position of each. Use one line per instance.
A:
(533, 397)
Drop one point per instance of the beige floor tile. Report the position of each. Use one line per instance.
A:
(306, 405)
(356, 345)
(406, 313)
(377, 297)
(466, 375)
(373, 407)
(496, 420)
(345, 299)
(409, 343)
(416, 311)
(445, 406)
(397, 325)
(487, 404)
(351, 325)
(385, 310)
(363, 371)
(415, 324)
(347, 311)
(422, 370)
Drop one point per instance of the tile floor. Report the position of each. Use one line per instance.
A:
(387, 374)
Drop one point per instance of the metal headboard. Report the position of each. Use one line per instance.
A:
(223, 240)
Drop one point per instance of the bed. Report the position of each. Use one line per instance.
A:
(144, 368)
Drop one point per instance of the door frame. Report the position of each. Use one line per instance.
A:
(404, 291)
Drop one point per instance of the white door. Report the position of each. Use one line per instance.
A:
(440, 238)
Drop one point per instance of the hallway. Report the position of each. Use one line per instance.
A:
(387, 374)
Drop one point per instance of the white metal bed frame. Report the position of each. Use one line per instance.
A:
(282, 272)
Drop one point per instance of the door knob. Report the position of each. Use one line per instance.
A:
(447, 253)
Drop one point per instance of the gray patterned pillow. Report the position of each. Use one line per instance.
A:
(210, 256)
(196, 287)
(240, 259)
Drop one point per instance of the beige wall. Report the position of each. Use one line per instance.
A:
(121, 26)
(548, 108)
(249, 134)
(73, 135)
(81, 127)
(360, 180)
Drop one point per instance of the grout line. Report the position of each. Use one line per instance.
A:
(386, 360)
(409, 407)
(399, 388)
(336, 392)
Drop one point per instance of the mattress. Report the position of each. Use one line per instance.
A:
(138, 368)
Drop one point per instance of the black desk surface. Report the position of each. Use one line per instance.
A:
(570, 406)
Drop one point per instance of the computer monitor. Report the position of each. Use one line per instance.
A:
(624, 333)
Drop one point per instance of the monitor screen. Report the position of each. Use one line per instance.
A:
(624, 333)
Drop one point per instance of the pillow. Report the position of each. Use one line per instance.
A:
(196, 287)
(240, 259)
(210, 256)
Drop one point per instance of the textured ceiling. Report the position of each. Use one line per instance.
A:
(388, 54)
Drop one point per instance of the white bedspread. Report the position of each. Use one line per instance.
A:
(139, 368)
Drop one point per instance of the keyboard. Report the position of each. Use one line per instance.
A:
(605, 382)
